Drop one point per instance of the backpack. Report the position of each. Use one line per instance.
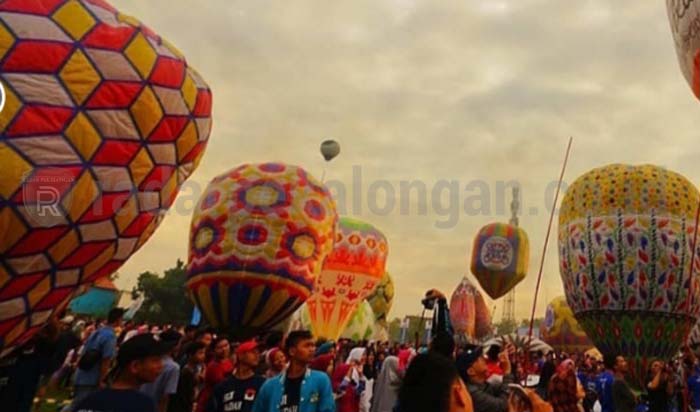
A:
(90, 357)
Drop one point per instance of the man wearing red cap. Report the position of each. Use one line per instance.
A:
(238, 392)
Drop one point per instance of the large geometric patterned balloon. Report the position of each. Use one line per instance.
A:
(469, 314)
(500, 257)
(350, 274)
(362, 325)
(625, 247)
(382, 298)
(683, 16)
(258, 238)
(103, 121)
(561, 330)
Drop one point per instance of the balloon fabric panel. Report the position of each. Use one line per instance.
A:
(96, 138)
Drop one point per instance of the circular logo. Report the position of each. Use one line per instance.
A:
(497, 253)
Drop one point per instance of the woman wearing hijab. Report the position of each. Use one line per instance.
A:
(387, 386)
(276, 362)
(349, 382)
(564, 391)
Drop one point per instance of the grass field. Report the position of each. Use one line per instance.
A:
(52, 401)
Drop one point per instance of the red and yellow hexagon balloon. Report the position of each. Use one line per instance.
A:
(259, 236)
(103, 121)
(350, 274)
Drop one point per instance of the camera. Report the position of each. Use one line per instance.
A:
(429, 303)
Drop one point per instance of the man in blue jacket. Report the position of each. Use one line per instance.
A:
(297, 389)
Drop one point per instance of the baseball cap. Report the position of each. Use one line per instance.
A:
(246, 347)
(466, 359)
(140, 347)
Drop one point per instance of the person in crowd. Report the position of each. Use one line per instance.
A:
(60, 365)
(604, 384)
(190, 379)
(165, 385)
(370, 368)
(443, 344)
(546, 372)
(387, 386)
(349, 381)
(493, 364)
(432, 383)
(472, 367)
(326, 348)
(298, 389)
(623, 398)
(238, 392)
(217, 370)
(693, 385)
(140, 361)
(189, 336)
(562, 393)
(67, 341)
(324, 363)
(381, 357)
(128, 327)
(276, 362)
(98, 352)
(21, 371)
(660, 387)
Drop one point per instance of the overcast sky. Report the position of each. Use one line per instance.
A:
(469, 92)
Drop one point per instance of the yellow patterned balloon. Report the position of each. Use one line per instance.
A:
(382, 298)
(625, 248)
(561, 330)
(259, 236)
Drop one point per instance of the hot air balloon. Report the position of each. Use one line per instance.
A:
(330, 149)
(683, 16)
(103, 121)
(561, 330)
(382, 298)
(500, 257)
(97, 300)
(350, 274)
(362, 325)
(625, 247)
(300, 320)
(258, 238)
(469, 314)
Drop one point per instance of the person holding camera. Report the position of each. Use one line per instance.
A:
(660, 385)
(472, 367)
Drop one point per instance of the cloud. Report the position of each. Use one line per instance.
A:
(417, 90)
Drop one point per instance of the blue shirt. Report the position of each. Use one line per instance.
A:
(694, 389)
(105, 341)
(166, 383)
(604, 388)
(316, 394)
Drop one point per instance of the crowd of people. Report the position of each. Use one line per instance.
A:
(113, 366)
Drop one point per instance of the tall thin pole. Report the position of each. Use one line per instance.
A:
(546, 239)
